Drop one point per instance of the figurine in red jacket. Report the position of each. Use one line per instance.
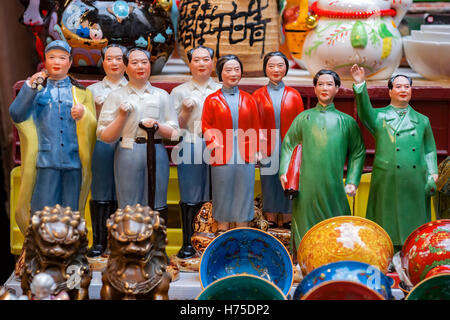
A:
(278, 106)
(230, 126)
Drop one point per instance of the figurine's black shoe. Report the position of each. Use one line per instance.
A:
(95, 251)
(186, 252)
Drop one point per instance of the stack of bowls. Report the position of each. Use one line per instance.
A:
(428, 50)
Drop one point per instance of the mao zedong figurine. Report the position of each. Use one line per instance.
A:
(103, 192)
(193, 171)
(56, 126)
(278, 106)
(405, 165)
(230, 125)
(328, 138)
(123, 110)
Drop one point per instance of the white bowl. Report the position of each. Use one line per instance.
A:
(428, 58)
(430, 36)
(435, 27)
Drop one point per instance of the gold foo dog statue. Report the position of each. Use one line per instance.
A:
(137, 263)
(56, 243)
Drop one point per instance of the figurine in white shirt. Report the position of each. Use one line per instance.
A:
(103, 192)
(193, 172)
(119, 120)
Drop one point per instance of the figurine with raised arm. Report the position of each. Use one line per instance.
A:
(405, 166)
(193, 171)
(328, 137)
(55, 118)
(103, 193)
(123, 110)
(230, 125)
(278, 106)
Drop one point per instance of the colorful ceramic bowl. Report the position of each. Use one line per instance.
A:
(247, 251)
(433, 288)
(241, 287)
(345, 238)
(355, 271)
(427, 251)
(342, 290)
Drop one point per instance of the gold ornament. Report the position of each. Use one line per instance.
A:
(312, 21)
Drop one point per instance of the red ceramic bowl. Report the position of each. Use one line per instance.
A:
(342, 290)
(426, 251)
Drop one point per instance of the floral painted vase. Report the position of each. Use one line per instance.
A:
(340, 33)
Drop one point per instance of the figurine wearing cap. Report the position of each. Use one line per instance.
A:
(56, 124)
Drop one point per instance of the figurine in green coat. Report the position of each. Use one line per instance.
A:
(405, 165)
(328, 137)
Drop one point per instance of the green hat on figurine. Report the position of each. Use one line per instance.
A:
(58, 44)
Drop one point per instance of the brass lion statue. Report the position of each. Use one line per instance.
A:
(56, 243)
(137, 263)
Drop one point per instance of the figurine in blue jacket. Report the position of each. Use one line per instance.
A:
(56, 124)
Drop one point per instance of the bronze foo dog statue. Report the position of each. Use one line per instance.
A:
(56, 243)
(137, 263)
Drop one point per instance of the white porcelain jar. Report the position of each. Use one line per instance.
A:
(355, 31)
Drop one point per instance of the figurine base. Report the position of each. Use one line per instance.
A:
(187, 265)
(282, 234)
(98, 263)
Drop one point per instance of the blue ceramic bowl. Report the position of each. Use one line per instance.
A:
(242, 287)
(247, 251)
(355, 271)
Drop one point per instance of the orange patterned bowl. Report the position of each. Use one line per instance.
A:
(345, 238)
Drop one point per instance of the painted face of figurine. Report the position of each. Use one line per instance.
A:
(138, 69)
(231, 73)
(201, 65)
(113, 63)
(57, 63)
(276, 69)
(325, 89)
(401, 92)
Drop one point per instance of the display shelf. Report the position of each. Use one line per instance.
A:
(187, 287)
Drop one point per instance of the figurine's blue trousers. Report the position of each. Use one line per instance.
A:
(193, 173)
(130, 172)
(103, 188)
(56, 187)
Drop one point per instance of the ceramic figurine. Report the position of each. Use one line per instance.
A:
(103, 193)
(42, 17)
(193, 172)
(405, 166)
(56, 243)
(278, 106)
(328, 138)
(123, 110)
(361, 32)
(89, 26)
(137, 264)
(233, 145)
(43, 286)
(56, 127)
